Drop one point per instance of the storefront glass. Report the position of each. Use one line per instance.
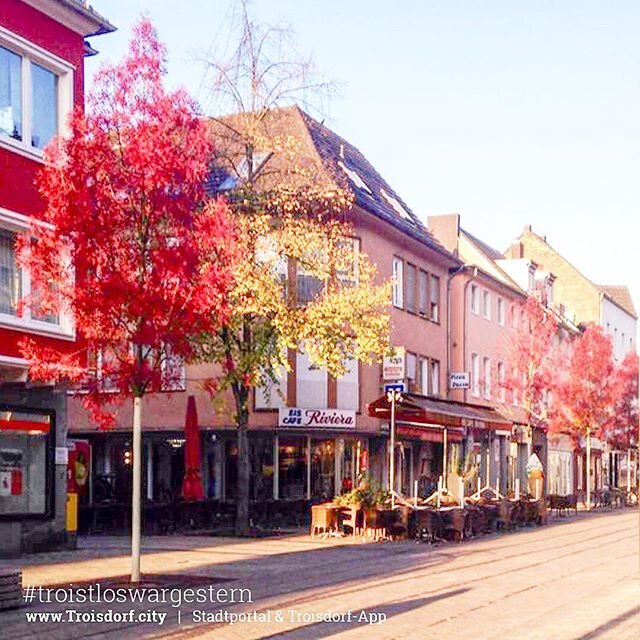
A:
(322, 469)
(25, 460)
(292, 468)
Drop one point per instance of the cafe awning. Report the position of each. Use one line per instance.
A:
(417, 410)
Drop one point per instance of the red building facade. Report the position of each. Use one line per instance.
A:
(42, 51)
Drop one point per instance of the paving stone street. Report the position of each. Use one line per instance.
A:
(577, 578)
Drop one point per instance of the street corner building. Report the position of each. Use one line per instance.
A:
(42, 50)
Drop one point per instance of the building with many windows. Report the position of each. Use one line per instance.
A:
(42, 50)
(314, 435)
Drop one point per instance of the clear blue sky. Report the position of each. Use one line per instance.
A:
(509, 113)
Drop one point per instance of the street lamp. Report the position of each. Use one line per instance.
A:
(393, 396)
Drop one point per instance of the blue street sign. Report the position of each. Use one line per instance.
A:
(395, 386)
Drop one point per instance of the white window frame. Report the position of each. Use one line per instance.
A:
(486, 304)
(475, 375)
(398, 282)
(475, 299)
(501, 311)
(64, 329)
(501, 380)
(32, 53)
(486, 373)
(434, 375)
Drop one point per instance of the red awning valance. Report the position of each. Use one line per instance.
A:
(425, 410)
(429, 434)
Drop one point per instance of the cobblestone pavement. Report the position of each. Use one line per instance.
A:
(576, 579)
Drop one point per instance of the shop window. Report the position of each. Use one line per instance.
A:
(347, 388)
(311, 383)
(354, 463)
(261, 468)
(292, 468)
(322, 469)
(25, 462)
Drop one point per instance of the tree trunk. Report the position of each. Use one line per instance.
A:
(136, 494)
(242, 493)
(588, 469)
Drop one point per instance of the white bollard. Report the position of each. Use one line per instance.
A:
(517, 488)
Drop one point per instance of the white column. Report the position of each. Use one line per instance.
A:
(276, 468)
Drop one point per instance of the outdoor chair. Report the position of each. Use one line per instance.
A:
(352, 519)
(503, 519)
(455, 524)
(323, 520)
(428, 525)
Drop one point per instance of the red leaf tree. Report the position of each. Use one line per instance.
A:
(586, 394)
(532, 356)
(623, 431)
(146, 261)
(623, 428)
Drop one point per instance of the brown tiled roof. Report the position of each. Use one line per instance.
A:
(333, 150)
(621, 296)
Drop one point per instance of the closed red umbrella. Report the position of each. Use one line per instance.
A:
(192, 483)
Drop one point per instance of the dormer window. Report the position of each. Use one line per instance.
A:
(354, 177)
(398, 208)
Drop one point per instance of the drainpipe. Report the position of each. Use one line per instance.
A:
(474, 275)
(452, 274)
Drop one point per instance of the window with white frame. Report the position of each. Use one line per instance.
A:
(10, 275)
(434, 291)
(273, 394)
(486, 365)
(35, 92)
(435, 377)
(514, 392)
(475, 299)
(410, 290)
(501, 312)
(398, 282)
(424, 376)
(501, 381)
(411, 365)
(423, 292)
(174, 377)
(347, 388)
(16, 285)
(486, 305)
(311, 383)
(475, 374)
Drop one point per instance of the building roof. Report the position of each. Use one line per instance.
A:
(96, 23)
(372, 192)
(343, 164)
(492, 256)
(620, 296)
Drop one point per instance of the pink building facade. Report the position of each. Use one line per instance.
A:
(298, 449)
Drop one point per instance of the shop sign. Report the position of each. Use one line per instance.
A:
(297, 418)
(393, 367)
(459, 380)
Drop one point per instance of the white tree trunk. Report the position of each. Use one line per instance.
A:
(588, 470)
(136, 494)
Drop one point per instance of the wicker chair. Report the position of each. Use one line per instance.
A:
(323, 520)
(428, 525)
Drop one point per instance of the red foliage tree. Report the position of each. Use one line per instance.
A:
(586, 394)
(146, 260)
(531, 360)
(623, 428)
